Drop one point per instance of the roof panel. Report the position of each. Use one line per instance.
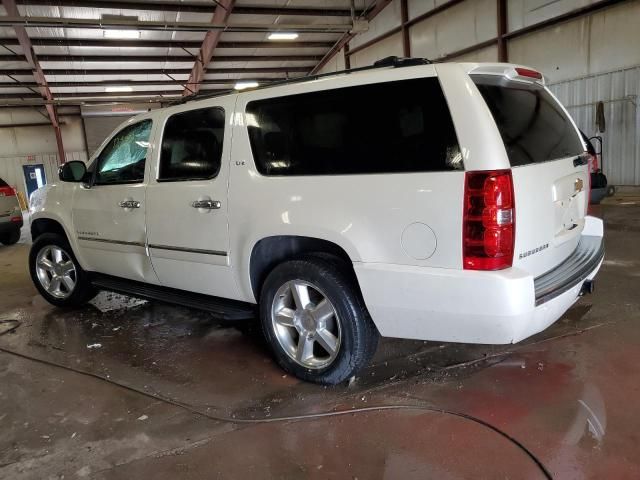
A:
(115, 76)
(14, 65)
(18, 90)
(7, 32)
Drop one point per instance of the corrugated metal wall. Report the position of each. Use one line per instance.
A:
(620, 92)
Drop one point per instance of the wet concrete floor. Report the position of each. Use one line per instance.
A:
(126, 389)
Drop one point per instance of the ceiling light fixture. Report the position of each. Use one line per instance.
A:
(283, 36)
(245, 85)
(122, 34)
(122, 88)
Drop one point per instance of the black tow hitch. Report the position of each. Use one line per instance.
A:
(587, 287)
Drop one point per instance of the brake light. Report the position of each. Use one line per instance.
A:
(16, 219)
(488, 231)
(527, 72)
(7, 192)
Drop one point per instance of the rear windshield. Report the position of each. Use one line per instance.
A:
(532, 124)
(3, 183)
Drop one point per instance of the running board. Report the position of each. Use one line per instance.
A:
(220, 307)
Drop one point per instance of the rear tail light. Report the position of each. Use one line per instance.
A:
(7, 192)
(489, 222)
(16, 219)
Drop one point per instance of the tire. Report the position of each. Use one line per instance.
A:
(345, 317)
(10, 238)
(47, 245)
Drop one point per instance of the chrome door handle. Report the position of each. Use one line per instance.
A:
(129, 204)
(206, 204)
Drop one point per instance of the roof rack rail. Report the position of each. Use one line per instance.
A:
(392, 61)
(396, 62)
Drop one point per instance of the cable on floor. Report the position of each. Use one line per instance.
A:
(16, 324)
(310, 416)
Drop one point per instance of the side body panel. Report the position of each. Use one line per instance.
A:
(374, 218)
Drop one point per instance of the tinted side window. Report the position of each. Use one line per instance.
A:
(192, 145)
(533, 126)
(123, 159)
(394, 127)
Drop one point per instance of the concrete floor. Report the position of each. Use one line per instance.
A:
(174, 393)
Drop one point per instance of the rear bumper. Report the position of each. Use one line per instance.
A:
(476, 307)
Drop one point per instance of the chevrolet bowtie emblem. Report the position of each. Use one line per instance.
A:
(578, 184)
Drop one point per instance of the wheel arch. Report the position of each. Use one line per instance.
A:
(270, 251)
(43, 225)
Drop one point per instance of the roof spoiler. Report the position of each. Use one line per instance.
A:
(512, 72)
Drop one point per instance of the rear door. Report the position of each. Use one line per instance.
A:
(549, 169)
(187, 208)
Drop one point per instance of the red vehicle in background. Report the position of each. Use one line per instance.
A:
(10, 215)
(598, 178)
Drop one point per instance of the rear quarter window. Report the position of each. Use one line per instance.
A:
(533, 126)
(392, 127)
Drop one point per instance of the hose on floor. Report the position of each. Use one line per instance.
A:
(309, 416)
(15, 324)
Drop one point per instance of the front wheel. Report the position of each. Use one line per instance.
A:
(56, 273)
(314, 318)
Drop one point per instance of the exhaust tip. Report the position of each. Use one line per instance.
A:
(587, 287)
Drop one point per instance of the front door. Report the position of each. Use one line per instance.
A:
(109, 214)
(34, 178)
(187, 210)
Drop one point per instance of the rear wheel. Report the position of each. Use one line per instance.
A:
(315, 320)
(10, 238)
(57, 274)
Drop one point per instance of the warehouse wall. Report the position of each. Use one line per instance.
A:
(582, 59)
(32, 145)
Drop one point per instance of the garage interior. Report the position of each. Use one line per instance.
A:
(128, 388)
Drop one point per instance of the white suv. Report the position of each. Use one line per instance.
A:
(436, 201)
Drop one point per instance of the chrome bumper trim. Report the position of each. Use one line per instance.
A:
(573, 271)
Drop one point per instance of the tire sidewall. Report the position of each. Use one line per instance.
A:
(333, 285)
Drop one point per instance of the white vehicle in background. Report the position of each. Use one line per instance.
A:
(440, 202)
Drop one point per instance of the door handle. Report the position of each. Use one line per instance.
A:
(206, 204)
(129, 204)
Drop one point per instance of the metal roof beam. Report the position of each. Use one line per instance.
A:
(155, 71)
(209, 44)
(347, 37)
(132, 83)
(164, 26)
(162, 58)
(89, 42)
(38, 75)
(193, 7)
(74, 95)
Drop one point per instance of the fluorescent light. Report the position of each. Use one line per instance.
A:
(118, 89)
(122, 34)
(244, 85)
(283, 36)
